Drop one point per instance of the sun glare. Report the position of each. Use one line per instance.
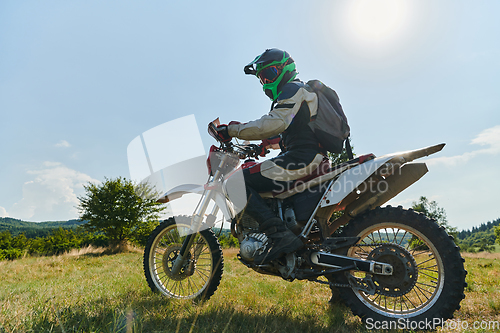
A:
(377, 21)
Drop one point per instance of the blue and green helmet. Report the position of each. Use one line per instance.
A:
(274, 68)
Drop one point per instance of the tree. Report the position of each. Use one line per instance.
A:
(433, 211)
(341, 157)
(121, 210)
(336, 159)
(497, 234)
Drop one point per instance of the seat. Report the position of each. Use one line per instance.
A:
(325, 172)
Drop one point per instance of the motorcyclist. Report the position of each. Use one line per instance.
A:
(292, 108)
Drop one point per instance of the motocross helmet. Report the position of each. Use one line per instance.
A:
(274, 68)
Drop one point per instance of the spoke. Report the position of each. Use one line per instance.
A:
(416, 293)
(421, 246)
(428, 285)
(200, 273)
(204, 269)
(188, 286)
(432, 277)
(422, 290)
(196, 288)
(371, 238)
(177, 284)
(403, 238)
(423, 262)
(419, 253)
(410, 302)
(181, 290)
(394, 240)
(428, 268)
(172, 290)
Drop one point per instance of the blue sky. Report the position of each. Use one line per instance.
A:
(80, 80)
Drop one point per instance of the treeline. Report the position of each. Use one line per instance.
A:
(480, 238)
(35, 229)
(61, 240)
(57, 241)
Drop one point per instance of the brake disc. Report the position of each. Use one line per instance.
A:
(168, 260)
(404, 273)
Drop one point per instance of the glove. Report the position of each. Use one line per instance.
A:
(260, 150)
(223, 134)
(263, 150)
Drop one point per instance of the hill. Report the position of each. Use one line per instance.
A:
(35, 229)
(482, 237)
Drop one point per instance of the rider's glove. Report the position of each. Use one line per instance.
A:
(223, 134)
(261, 150)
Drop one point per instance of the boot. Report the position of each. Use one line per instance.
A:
(280, 241)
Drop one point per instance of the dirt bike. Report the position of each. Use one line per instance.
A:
(387, 264)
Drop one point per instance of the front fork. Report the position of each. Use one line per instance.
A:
(196, 223)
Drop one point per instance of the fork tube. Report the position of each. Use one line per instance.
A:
(196, 222)
(195, 228)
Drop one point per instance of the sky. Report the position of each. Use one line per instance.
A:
(79, 80)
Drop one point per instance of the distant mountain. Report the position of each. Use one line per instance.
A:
(35, 229)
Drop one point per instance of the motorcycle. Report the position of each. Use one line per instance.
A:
(386, 263)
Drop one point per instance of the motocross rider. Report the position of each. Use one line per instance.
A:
(292, 108)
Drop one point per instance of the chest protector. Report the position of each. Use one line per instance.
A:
(330, 123)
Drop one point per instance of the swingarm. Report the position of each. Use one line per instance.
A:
(337, 261)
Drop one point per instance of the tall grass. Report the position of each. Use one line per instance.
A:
(97, 292)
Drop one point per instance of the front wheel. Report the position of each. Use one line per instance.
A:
(201, 273)
(428, 273)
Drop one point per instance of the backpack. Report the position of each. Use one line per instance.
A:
(330, 123)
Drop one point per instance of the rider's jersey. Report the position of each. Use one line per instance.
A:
(289, 117)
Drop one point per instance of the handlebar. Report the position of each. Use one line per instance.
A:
(243, 151)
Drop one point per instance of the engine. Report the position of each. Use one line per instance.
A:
(251, 240)
(252, 244)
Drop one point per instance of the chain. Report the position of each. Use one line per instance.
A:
(333, 284)
(327, 248)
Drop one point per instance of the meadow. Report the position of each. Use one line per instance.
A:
(94, 291)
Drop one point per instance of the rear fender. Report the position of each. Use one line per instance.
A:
(352, 178)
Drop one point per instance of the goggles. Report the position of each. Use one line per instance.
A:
(269, 74)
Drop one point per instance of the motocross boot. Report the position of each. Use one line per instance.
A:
(280, 241)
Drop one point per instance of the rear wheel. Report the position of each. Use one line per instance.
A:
(199, 276)
(428, 278)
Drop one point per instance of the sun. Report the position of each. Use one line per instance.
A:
(377, 21)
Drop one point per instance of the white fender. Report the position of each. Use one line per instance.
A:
(349, 180)
(178, 191)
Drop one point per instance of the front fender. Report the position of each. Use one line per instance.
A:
(178, 191)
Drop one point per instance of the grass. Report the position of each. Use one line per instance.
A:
(97, 292)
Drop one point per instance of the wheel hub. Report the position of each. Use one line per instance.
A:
(171, 253)
(404, 274)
